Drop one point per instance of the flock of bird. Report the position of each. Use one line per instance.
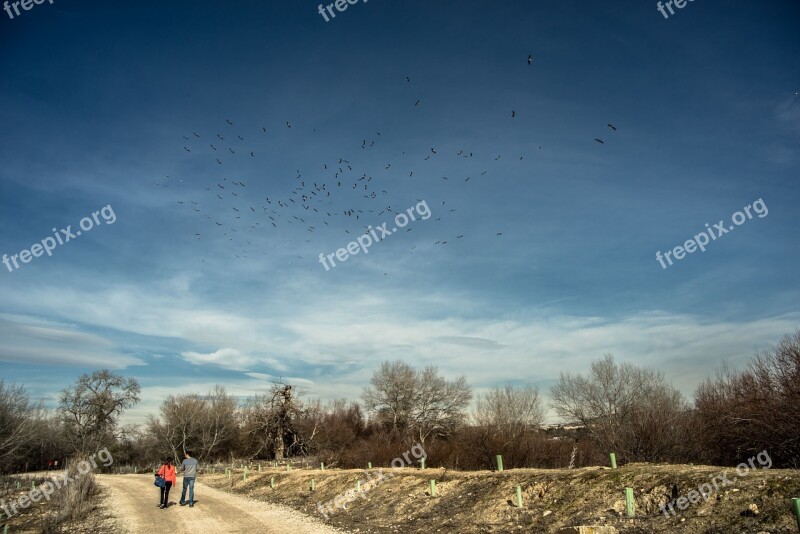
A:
(317, 201)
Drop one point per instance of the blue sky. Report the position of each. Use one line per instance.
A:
(98, 100)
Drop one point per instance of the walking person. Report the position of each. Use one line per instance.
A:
(167, 472)
(189, 468)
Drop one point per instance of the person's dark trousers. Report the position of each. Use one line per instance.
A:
(165, 493)
(188, 482)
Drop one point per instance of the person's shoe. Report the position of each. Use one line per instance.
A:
(182, 503)
(162, 506)
(191, 505)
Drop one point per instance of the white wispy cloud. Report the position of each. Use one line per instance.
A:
(35, 341)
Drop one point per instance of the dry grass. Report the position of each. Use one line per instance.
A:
(72, 502)
(477, 502)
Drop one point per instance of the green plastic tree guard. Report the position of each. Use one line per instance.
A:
(613, 460)
(499, 463)
(629, 502)
(433, 488)
(796, 510)
(519, 496)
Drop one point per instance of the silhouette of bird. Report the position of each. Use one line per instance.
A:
(530, 59)
(288, 125)
(599, 141)
(229, 122)
(612, 127)
(513, 113)
(417, 102)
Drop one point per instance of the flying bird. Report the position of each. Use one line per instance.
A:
(599, 141)
(530, 59)
(612, 127)
(229, 121)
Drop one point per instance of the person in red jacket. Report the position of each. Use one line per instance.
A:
(167, 472)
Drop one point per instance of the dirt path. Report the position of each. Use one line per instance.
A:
(133, 500)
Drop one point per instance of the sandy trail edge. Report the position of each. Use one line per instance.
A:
(133, 501)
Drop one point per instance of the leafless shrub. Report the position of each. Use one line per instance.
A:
(744, 412)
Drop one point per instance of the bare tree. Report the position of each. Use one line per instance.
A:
(439, 405)
(510, 413)
(422, 404)
(205, 425)
(90, 409)
(270, 421)
(625, 409)
(391, 394)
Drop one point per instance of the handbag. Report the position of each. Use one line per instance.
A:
(160, 482)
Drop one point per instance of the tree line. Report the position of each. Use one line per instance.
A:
(613, 407)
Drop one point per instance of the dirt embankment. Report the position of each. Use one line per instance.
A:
(551, 499)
